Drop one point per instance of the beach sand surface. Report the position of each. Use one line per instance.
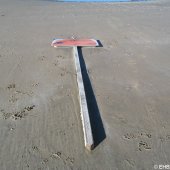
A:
(127, 83)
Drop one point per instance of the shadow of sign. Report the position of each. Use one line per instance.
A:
(94, 113)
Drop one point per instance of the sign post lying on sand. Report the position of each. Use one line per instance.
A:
(75, 43)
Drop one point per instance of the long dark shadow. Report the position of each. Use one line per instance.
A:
(94, 114)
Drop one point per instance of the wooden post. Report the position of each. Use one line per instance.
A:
(88, 137)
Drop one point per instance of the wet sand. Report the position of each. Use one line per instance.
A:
(127, 83)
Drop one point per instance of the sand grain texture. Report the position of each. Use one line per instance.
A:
(40, 125)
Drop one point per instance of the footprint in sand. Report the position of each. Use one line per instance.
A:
(42, 58)
(35, 84)
(66, 159)
(45, 156)
(65, 71)
(39, 154)
(56, 63)
(15, 94)
(13, 99)
(164, 138)
(11, 86)
(143, 146)
(137, 135)
(35, 148)
(60, 56)
(17, 115)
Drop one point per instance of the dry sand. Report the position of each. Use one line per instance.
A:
(40, 126)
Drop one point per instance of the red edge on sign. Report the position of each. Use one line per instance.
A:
(72, 42)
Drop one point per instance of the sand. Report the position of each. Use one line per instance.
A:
(127, 82)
